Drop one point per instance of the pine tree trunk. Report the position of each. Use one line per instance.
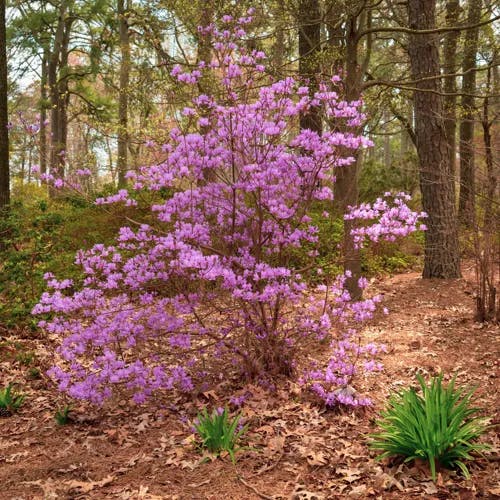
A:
(123, 139)
(450, 85)
(442, 255)
(4, 120)
(466, 205)
(43, 113)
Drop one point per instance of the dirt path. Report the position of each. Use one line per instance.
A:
(304, 451)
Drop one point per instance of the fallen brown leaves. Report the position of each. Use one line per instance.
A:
(296, 450)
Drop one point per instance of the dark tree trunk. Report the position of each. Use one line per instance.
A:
(4, 120)
(450, 82)
(466, 205)
(309, 48)
(123, 139)
(336, 37)
(346, 185)
(442, 255)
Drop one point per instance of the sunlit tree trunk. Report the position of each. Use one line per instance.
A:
(123, 139)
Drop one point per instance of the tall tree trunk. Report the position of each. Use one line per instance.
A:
(442, 257)
(450, 82)
(346, 185)
(123, 138)
(336, 37)
(466, 204)
(4, 120)
(204, 41)
(279, 45)
(64, 95)
(57, 127)
(43, 113)
(309, 48)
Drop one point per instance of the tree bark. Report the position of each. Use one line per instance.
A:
(450, 82)
(58, 92)
(442, 255)
(43, 113)
(4, 120)
(466, 204)
(346, 185)
(279, 45)
(309, 49)
(123, 139)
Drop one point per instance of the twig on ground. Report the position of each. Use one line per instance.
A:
(255, 490)
(269, 467)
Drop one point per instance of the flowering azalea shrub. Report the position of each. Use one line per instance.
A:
(208, 288)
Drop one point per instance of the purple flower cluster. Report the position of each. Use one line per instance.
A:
(393, 219)
(211, 278)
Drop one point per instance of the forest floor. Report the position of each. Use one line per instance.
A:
(303, 451)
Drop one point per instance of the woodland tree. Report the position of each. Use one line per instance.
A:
(466, 207)
(123, 142)
(4, 120)
(442, 253)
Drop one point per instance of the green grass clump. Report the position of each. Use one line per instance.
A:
(439, 426)
(62, 416)
(10, 400)
(219, 432)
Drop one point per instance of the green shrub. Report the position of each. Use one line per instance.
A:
(219, 432)
(376, 177)
(439, 426)
(38, 236)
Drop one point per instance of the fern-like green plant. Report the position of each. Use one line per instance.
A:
(219, 432)
(10, 400)
(439, 426)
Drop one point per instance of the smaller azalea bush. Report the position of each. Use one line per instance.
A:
(439, 426)
(10, 400)
(219, 431)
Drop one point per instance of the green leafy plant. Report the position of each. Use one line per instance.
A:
(10, 400)
(219, 432)
(62, 416)
(439, 426)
